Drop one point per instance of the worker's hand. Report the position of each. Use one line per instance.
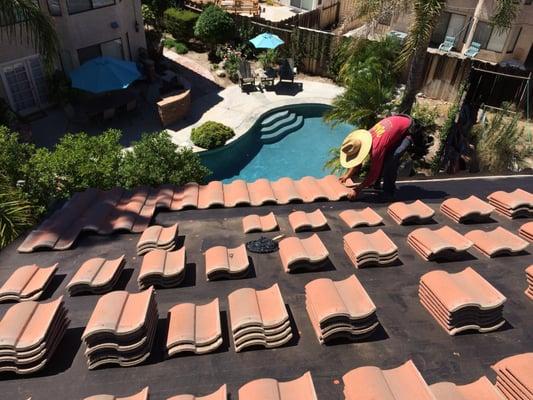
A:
(355, 192)
(343, 179)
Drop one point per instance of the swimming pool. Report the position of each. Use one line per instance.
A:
(293, 141)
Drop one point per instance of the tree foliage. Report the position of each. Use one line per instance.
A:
(214, 25)
(15, 212)
(13, 155)
(180, 23)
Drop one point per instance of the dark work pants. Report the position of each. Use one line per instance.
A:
(391, 165)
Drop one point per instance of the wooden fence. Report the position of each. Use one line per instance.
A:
(323, 17)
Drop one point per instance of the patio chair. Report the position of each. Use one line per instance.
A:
(73, 116)
(448, 44)
(287, 70)
(473, 50)
(245, 74)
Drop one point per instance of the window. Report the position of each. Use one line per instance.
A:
(54, 8)
(490, 38)
(456, 27)
(449, 25)
(482, 34)
(113, 48)
(515, 35)
(77, 6)
(439, 32)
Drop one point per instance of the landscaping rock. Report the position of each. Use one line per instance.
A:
(220, 73)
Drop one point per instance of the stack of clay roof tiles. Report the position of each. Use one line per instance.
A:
(142, 395)
(302, 221)
(121, 329)
(526, 231)
(439, 243)
(162, 268)
(220, 394)
(482, 389)
(27, 283)
(416, 212)
(496, 242)
(462, 301)
(365, 217)
(270, 389)
(365, 249)
(302, 254)
(515, 204)
(96, 276)
(257, 223)
(514, 376)
(371, 383)
(30, 332)
(226, 263)
(107, 211)
(340, 309)
(469, 209)
(157, 237)
(258, 318)
(194, 328)
(529, 280)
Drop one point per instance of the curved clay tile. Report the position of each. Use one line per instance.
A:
(96, 275)
(481, 389)
(223, 262)
(365, 249)
(99, 214)
(142, 395)
(259, 223)
(416, 212)
(194, 328)
(163, 196)
(296, 253)
(127, 213)
(334, 190)
(496, 242)
(185, 197)
(211, 195)
(442, 242)
(270, 389)
(261, 193)
(236, 194)
(370, 383)
(309, 190)
(529, 280)
(162, 268)
(27, 283)
(365, 217)
(285, 191)
(220, 394)
(514, 376)
(258, 318)
(515, 204)
(469, 209)
(339, 308)
(312, 221)
(157, 237)
(40, 239)
(526, 231)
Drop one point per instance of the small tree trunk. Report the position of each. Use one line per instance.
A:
(414, 79)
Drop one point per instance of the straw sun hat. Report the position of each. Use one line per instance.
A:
(355, 148)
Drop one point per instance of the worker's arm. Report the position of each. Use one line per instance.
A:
(350, 174)
(376, 165)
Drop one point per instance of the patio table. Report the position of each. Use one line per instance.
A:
(98, 104)
(266, 77)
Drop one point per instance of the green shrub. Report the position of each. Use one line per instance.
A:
(14, 154)
(214, 26)
(16, 213)
(180, 23)
(178, 47)
(268, 58)
(211, 134)
(156, 160)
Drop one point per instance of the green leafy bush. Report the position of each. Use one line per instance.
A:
(16, 213)
(214, 26)
(268, 58)
(180, 23)
(178, 47)
(211, 134)
(14, 154)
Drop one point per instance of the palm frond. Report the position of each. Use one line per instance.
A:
(15, 213)
(504, 14)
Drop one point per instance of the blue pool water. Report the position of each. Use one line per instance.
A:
(291, 142)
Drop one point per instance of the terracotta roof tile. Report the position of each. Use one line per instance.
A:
(261, 193)
(142, 395)
(481, 389)
(211, 195)
(416, 212)
(339, 308)
(469, 209)
(27, 283)
(220, 394)
(515, 204)
(333, 188)
(296, 253)
(185, 197)
(96, 276)
(402, 383)
(496, 242)
(258, 318)
(194, 328)
(529, 280)
(439, 243)
(514, 376)
(285, 191)
(121, 329)
(365, 217)
(162, 268)
(30, 332)
(236, 193)
(157, 237)
(225, 263)
(365, 249)
(270, 389)
(259, 223)
(462, 301)
(312, 221)
(310, 190)
(526, 231)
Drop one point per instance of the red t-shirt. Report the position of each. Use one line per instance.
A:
(386, 136)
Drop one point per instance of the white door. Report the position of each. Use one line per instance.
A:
(25, 83)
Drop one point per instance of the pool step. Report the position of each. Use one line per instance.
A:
(281, 133)
(273, 118)
(279, 124)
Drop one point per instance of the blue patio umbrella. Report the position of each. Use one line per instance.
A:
(266, 41)
(103, 74)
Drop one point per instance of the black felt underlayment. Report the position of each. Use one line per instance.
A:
(408, 332)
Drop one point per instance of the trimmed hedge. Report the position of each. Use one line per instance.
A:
(211, 134)
(180, 23)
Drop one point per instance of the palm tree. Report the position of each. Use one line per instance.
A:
(23, 21)
(16, 213)
(425, 16)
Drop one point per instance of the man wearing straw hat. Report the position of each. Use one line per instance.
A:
(385, 143)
